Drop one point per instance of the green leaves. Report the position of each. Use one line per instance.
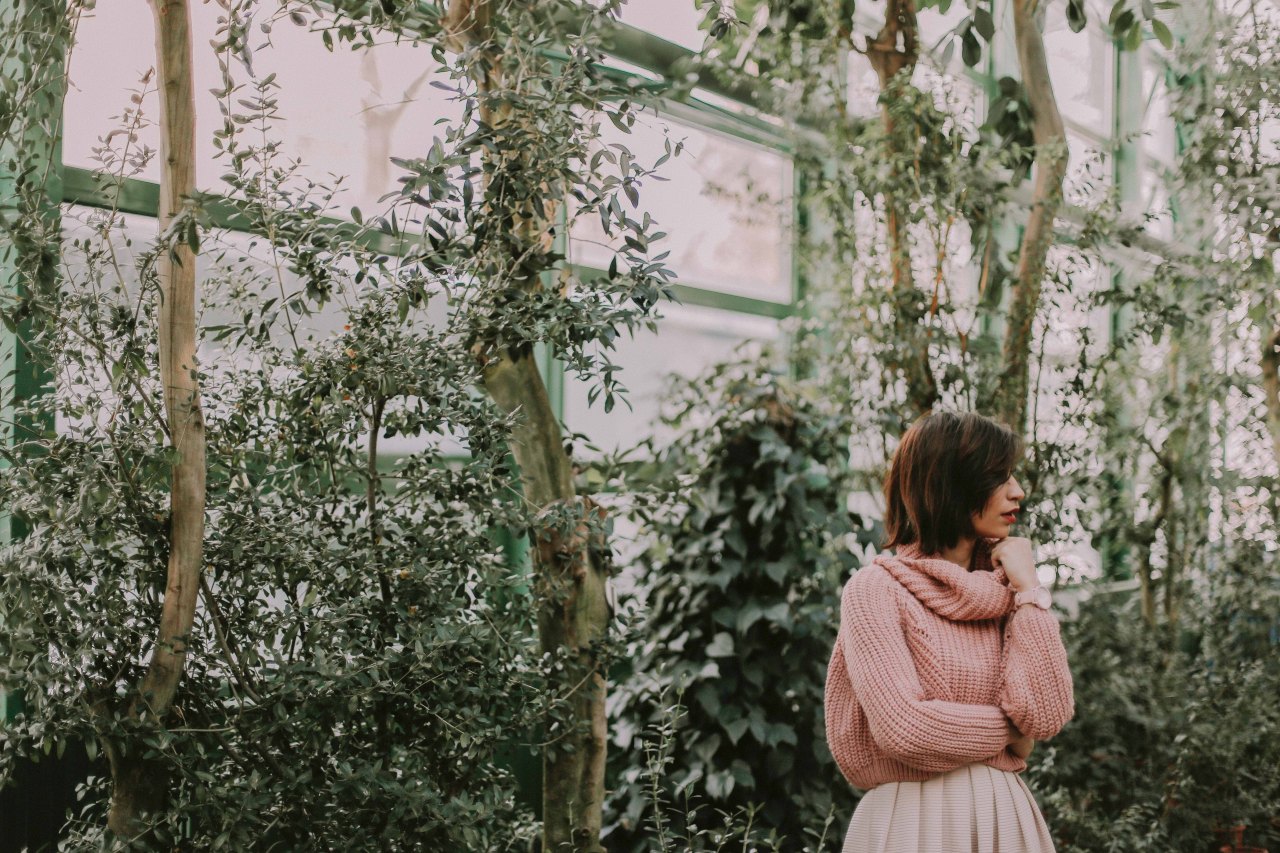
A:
(721, 645)
(970, 49)
(1127, 17)
(1076, 16)
(1142, 703)
(983, 23)
(1162, 33)
(980, 24)
(740, 573)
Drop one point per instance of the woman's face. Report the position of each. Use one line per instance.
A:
(997, 518)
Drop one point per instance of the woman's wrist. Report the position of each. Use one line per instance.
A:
(1023, 586)
(1011, 731)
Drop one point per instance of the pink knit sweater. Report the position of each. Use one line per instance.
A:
(929, 661)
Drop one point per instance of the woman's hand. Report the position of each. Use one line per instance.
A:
(1016, 740)
(1014, 555)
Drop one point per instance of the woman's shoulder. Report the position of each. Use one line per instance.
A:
(873, 581)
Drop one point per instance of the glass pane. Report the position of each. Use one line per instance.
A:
(343, 113)
(101, 254)
(935, 25)
(1080, 65)
(689, 338)
(1059, 408)
(864, 86)
(1068, 315)
(1156, 202)
(1157, 123)
(674, 20)
(1089, 172)
(724, 204)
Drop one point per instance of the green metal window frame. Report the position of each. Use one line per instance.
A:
(658, 57)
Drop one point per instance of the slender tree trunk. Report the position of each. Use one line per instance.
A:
(570, 564)
(1010, 400)
(1144, 536)
(140, 785)
(895, 50)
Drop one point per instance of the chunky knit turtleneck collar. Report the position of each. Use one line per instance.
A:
(949, 589)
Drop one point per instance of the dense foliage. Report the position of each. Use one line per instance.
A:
(739, 616)
(363, 648)
(1175, 735)
(1170, 745)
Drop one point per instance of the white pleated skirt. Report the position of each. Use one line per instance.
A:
(971, 809)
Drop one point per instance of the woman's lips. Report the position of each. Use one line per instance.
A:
(1010, 517)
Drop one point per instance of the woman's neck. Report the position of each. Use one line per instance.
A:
(961, 553)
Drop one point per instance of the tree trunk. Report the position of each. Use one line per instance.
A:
(140, 785)
(894, 50)
(570, 563)
(573, 613)
(1010, 398)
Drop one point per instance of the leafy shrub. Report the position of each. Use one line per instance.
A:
(1171, 740)
(738, 580)
(361, 648)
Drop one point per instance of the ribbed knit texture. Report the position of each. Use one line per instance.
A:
(929, 660)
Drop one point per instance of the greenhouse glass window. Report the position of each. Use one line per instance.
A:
(1081, 66)
(936, 26)
(1157, 122)
(1156, 203)
(342, 113)
(675, 21)
(690, 338)
(863, 87)
(724, 203)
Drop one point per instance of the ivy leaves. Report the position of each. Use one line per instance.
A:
(740, 570)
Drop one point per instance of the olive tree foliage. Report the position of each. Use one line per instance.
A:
(794, 58)
(354, 662)
(496, 195)
(360, 648)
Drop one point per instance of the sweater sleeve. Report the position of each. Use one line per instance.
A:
(931, 734)
(1035, 689)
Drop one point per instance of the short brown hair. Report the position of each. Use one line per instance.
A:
(944, 470)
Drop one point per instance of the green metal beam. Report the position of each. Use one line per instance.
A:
(133, 195)
(141, 197)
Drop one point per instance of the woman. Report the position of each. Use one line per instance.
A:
(948, 662)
